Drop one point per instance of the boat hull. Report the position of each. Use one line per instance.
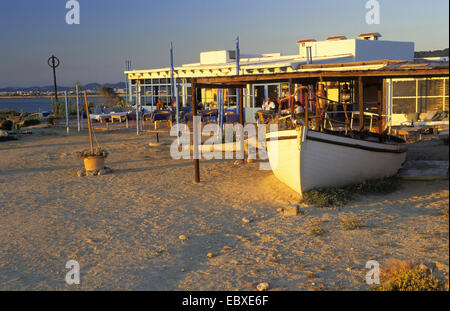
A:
(306, 160)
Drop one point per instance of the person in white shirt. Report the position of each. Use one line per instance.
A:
(265, 105)
(270, 104)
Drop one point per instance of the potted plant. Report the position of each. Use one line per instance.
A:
(93, 160)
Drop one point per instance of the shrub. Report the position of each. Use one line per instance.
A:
(338, 197)
(98, 152)
(384, 185)
(406, 276)
(349, 224)
(6, 113)
(317, 231)
(6, 125)
(327, 197)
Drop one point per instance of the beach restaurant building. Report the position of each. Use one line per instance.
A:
(405, 95)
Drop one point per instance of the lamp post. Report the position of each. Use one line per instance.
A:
(54, 63)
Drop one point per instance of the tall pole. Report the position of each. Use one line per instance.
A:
(172, 85)
(78, 107)
(67, 112)
(54, 62)
(127, 81)
(89, 121)
(239, 97)
(196, 142)
(138, 102)
(81, 116)
(361, 103)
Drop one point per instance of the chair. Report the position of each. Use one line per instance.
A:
(264, 118)
(162, 115)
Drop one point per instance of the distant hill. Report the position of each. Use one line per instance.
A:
(436, 53)
(49, 88)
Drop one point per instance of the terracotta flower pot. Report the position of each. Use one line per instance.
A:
(94, 163)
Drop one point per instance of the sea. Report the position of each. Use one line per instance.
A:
(34, 104)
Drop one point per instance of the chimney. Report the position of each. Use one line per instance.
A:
(369, 36)
(336, 38)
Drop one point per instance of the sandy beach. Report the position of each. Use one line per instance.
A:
(124, 228)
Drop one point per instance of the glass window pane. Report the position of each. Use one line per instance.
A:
(403, 88)
(446, 87)
(273, 92)
(430, 104)
(404, 105)
(431, 87)
(259, 96)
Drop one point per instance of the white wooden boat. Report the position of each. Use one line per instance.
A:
(306, 160)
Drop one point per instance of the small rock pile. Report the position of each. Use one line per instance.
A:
(82, 172)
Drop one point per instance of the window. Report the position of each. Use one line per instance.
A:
(419, 95)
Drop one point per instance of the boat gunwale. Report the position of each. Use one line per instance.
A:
(356, 146)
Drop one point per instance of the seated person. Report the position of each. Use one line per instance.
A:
(298, 108)
(159, 104)
(271, 105)
(265, 105)
(173, 107)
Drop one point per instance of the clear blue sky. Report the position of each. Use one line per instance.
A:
(114, 30)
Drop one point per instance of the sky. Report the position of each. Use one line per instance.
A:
(112, 31)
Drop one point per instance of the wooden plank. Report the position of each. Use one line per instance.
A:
(219, 86)
(284, 77)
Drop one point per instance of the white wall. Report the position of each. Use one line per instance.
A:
(214, 57)
(329, 48)
(362, 50)
(367, 50)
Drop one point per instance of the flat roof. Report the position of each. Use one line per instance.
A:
(386, 69)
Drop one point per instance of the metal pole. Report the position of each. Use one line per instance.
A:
(67, 113)
(81, 118)
(138, 84)
(53, 62)
(239, 99)
(78, 108)
(172, 84)
(126, 78)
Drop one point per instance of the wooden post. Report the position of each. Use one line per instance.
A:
(306, 103)
(380, 109)
(318, 123)
(383, 105)
(194, 113)
(291, 102)
(361, 103)
(241, 106)
(89, 121)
